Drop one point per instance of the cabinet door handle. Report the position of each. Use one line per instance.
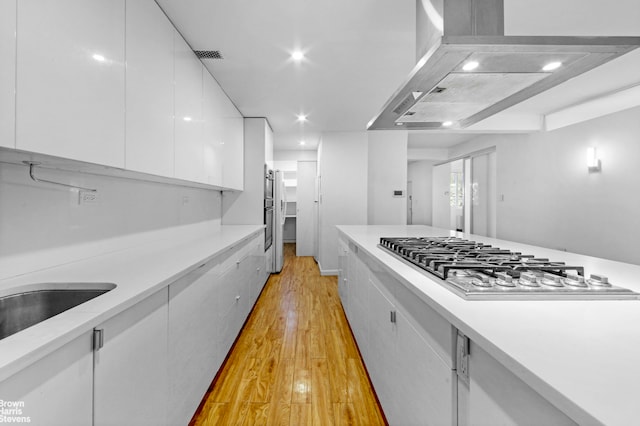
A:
(392, 316)
(98, 338)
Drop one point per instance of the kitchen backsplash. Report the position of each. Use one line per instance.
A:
(36, 216)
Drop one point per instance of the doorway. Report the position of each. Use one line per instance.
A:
(464, 194)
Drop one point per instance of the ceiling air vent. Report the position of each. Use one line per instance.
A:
(405, 104)
(208, 54)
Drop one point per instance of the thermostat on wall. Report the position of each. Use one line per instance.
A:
(398, 193)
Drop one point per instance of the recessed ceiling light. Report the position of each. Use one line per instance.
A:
(302, 118)
(470, 66)
(297, 55)
(447, 123)
(98, 57)
(187, 118)
(301, 142)
(552, 66)
(399, 124)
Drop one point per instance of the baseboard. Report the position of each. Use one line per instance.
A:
(325, 272)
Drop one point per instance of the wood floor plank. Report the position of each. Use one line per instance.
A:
(295, 362)
(302, 387)
(321, 406)
(279, 415)
(300, 414)
(257, 414)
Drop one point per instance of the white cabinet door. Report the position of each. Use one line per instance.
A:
(233, 152)
(7, 73)
(414, 386)
(212, 129)
(343, 272)
(228, 311)
(352, 282)
(55, 390)
(424, 386)
(495, 396)
(149, 89)
(260, 261)
(71, 93)
(189, 148)
(194, 335)
(233, 148)
(381, 362)
(130, 370)
(359, 307)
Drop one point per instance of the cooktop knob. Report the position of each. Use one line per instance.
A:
(504, 280)
(551, 280)
(598, 281)
(575, 281)
(529, 279)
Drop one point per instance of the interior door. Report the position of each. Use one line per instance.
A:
(440, 197)
(483, 194)
(409, 203)
(305, 193)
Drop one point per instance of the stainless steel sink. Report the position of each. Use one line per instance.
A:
(35, 303)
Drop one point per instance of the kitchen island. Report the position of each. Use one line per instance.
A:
(529, 361)
(156, 340)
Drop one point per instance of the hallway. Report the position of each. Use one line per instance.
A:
(295, 362)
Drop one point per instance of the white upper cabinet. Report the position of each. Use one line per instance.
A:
(149, 89)
(117, 86)
(7, 72)
(233, 148)
(71, 75)
(212, 96)
(189, 164)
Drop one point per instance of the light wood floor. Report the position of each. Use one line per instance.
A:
(295, 362)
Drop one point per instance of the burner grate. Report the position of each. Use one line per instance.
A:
(480, 271)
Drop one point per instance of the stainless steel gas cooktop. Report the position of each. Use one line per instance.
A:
(478, 271)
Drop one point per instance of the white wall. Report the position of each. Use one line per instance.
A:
(420, 174)
(247, 207)
(571, 18)
(342, 165)
(387, 172)
(36, 216)
(550, 198)
(294, 155)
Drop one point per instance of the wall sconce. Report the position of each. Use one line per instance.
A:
(593, 162)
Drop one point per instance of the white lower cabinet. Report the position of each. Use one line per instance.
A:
(207, 309)
(234, 298)
(343, 271)
(130, 369)
(410, 353)
(414, 386)
(359, 306)
(495, 396)
(194, 339)
(56, 390)
(152, 363)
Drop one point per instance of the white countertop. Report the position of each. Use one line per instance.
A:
(139, 265)
(583, 356)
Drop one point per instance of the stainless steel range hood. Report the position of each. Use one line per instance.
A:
(469, 70)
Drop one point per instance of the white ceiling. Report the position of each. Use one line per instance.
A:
(358, 52)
